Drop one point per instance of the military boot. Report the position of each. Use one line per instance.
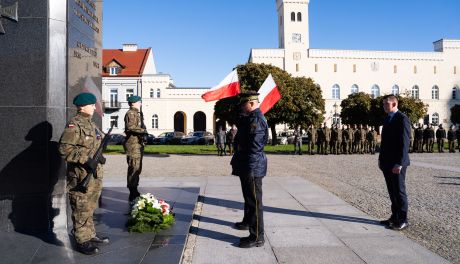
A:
(101, 240)
(87, 248)
(133, 193)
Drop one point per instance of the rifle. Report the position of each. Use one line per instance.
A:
(83, 185)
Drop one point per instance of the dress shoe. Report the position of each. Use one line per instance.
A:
(241, 226)
(400, 227)
(387, 222)
(100, 240)
(87, 248)
(248, 243)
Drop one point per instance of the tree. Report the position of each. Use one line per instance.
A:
(301, 100)
(455, 114)
(356, 108)
(415, 109)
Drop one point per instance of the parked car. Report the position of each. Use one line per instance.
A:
(305, 138)
(150, 139)
(285, 137)
(116, 139)
(198, 138)
(169, 138)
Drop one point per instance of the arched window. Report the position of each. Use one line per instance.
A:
(158, 93)
(155, 121)
(415, 92)
(152, 93)
(354, 89)
(299, 17)
(292, 16)
(435, 93)
(454, 92)
(395, 89)
(375, 91)
(336, 91)
(435, 119)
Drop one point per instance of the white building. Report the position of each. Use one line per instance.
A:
(131, 71)
(434, 77)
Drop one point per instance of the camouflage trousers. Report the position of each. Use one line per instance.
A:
(134, 170)
(83, 206)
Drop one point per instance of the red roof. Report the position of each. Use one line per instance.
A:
(132, 62)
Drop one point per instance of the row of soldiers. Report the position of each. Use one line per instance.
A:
(353, 139)
(422, 138)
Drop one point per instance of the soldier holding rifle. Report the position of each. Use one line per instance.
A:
(79, 145)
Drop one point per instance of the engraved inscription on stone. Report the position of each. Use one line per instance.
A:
(10, 12)
(91, 13)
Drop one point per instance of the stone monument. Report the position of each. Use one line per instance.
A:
(50, 50)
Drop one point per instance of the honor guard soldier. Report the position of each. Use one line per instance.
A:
(250, 164)
(311, 135)
(451, 137)
(298, 140)
(78, 144)
(419, 138)
(135, 131)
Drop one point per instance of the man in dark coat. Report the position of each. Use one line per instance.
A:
(394, 160)
(250, 164)
(441, 136)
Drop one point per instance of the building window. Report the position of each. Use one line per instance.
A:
(297, 67)
(335, 67)
(113, 97)
(415, 69)
(454, 92)
(155, 121)
(435, 119)
(129, 93)
(299, 17)
(354, 67)
(113, 70)
(415, 92)
(354, 89)
(434, 69)
(114, 121)
(395, 90)
(375, 91)
(426, 119)
(152, 93)
(293, 17)
(158, 93)
(395, 69)
(336, 91)
(316, 67)
(435, 92)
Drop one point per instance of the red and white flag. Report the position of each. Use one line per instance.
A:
(268, 94)
(228, 87)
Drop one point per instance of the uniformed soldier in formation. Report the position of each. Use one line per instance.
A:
(311, 134)
(298, 140)
(220, 141)
(372, 138)
(441, 136)
(135, 131)
(345, 139)
(419, 138)
(250, 164)
(362, 143)
(351, 139)
(429, 133)
(457, 134)
(357, 139)
(451, 137)
(230, 139)
(339, 140)
(411, 139)
(334, 138)
(320, 140)
(79, 142)
(327, 139)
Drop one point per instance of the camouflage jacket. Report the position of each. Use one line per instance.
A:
(133, 130)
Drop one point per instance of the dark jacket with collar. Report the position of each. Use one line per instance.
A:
(252, 135)
(394, 148)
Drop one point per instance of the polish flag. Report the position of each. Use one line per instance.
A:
(228, 87)
(268, 94)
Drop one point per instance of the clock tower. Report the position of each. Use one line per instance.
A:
(293, 33)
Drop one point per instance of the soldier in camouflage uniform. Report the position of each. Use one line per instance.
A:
(327, 139)
(441, 136)
(371, 138)
(311, 134)
(362, 144)
(419, 138)
(351, 138)
(134, 144)
(78, 144)
(411, 139)
(451, 137)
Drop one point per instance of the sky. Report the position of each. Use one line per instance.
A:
(199, 42)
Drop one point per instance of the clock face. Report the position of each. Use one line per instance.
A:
(296, 38)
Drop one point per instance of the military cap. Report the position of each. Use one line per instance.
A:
(84, 99)
(134, 98)
(249, 96)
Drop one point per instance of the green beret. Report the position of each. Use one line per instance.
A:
(84, 99)
(249, 96)
(134, 98)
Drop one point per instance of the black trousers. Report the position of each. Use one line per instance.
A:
(253, 206)
(396, 185)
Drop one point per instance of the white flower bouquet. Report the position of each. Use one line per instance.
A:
(148, 214)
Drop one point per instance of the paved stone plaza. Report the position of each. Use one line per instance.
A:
(318, 209)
